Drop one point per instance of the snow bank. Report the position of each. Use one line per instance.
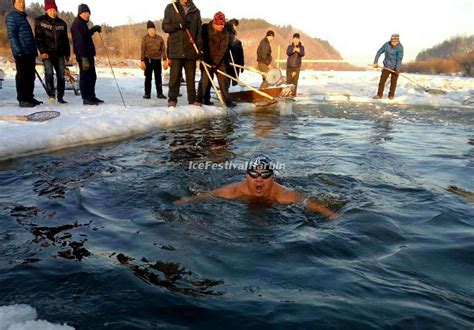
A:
(80, 125)
(24, 317)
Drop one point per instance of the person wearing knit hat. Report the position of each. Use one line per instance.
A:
(53, 44)
(84, 49)
(295, 53)
(153, 50)
(393, 50)
(215, 40)
(264, 56)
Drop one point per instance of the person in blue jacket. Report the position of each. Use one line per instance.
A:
(393, 50)
(295, 53)
(24, 51)
(84, 49)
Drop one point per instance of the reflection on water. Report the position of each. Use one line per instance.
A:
(91, 237)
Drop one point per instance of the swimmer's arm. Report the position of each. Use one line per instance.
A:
(316, 207)
(226, 192)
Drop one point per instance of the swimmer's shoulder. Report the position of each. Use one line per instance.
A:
(231, 191)
(285, 195)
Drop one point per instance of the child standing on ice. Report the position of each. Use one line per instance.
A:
(153, 50)
(393, 50)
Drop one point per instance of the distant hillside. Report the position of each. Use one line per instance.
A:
(457, 46)
(124, 41)
(452, 56)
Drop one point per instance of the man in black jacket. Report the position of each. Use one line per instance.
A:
(295, 53)
(181, 52)
(84, 50)
(215, 40)
(53, 44)
(236, 50)
(264, 56)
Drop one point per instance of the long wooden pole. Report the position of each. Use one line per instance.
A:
(251, 87)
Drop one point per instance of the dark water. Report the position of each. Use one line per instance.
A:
(91, 236)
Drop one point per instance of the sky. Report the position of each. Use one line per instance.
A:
(356, 28)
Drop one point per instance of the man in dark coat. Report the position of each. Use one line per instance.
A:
(153, 49)
(84, 50)
(393, 50)
(295, 53)
(236, 50)
(181, 51)
(24, 51)
(264, 56)
(215, 40)
(53, 44)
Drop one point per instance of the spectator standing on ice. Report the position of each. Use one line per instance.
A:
(23, 47)
(53, 44)
(264, 56)
(215, 40)
(153, 50)
(236, 50)
(393, 50)
(295, 53)
(181, 51)
(84, 50)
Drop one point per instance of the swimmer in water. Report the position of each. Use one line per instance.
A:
(259, 186)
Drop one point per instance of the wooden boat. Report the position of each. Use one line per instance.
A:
(278, 92)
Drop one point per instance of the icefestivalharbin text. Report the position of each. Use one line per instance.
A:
(229, 166)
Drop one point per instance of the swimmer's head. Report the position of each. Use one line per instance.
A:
(259, 175)
(260, 162)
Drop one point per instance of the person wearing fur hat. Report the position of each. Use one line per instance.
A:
(53, 44)
(24, 51)
(393, 50)
(84, 49)
(215, 40)
(153, 49)
(295, 53)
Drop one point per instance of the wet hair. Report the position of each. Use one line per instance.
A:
(260, 162)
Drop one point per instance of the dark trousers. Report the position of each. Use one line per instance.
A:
(204, 88)
(153, 67)
(87, 80)
(58, 64)
(177, 65)
(25, 77)
(292, 77)
(383, 80)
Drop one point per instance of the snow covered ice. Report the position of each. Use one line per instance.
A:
(25, 317)
(81, 125)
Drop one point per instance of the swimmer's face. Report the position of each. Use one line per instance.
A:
(259, 182)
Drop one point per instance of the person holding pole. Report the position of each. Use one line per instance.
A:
(236, 50)
(264, 56)
(182, 17)
(393, 50)
(216, 46)
(24, 51)
(295, 53)
(53, 44)
(84, 49)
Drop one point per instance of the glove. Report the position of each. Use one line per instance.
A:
(44, 56)
(375, 65)
(96, 28)
(85, 64)
(142, 65)
(213, 68)
(165, 65)
(184, 26)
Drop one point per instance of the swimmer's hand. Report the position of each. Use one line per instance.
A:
(316, 207)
